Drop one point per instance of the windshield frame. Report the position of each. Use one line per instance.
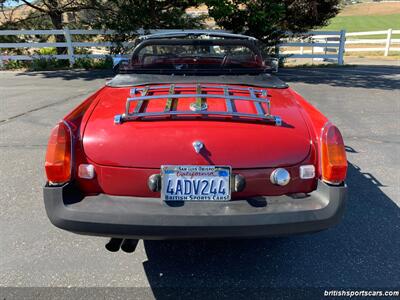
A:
(250, 44)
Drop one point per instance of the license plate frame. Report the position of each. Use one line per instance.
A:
(193, 173)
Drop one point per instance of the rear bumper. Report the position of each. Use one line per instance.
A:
(152, 218)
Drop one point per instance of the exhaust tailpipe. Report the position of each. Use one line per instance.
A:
(114, 244)
(129, 246)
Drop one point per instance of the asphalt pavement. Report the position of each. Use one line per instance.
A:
(362, 251)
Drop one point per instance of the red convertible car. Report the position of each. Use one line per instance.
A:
(194, 138)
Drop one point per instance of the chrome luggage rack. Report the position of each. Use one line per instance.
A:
(199, 107)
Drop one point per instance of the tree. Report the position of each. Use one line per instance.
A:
(124, 16)
(131, 15)
(268, 20)
(128, 16)
(48, 12)
(56, 9)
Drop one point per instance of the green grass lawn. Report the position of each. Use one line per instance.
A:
(365, 23)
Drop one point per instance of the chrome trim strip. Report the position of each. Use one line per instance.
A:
(199, 100)
(228, 101)
(133, 94)
(258, 106)
(198, 113)
(200, 104)
(180, 33)
(140, 102)
(264, 94)
(169, 100)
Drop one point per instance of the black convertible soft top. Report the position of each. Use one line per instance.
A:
(260, 80)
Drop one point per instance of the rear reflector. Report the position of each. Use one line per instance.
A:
(86, 171)
(333, 155)
(307, 172)
(58, 155)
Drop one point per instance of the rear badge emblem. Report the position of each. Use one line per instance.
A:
(197, 145)
(198, 106)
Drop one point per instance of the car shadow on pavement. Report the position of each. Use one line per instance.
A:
(368, 77)
(362, 251)
(86, 75)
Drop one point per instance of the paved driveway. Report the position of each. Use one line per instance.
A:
(363, 251)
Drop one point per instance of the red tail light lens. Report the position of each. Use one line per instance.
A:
(333, 155)
(58, 156)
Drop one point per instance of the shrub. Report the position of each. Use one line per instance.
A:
(15, 64)
(90, 63)
(47, 51)
(43, 64)
(48, 64)
(83, 63)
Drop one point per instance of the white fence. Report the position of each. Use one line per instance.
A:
(327, 45)
(322, 44)
(69, 44)
(387, 41)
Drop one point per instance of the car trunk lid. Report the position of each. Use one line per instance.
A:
(168, 140)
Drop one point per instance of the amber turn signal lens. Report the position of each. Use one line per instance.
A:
(58, 155)
(333, 155)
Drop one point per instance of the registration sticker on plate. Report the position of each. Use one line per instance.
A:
(186, 183)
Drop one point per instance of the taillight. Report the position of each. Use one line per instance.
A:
(333, 155)
(58, 155)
